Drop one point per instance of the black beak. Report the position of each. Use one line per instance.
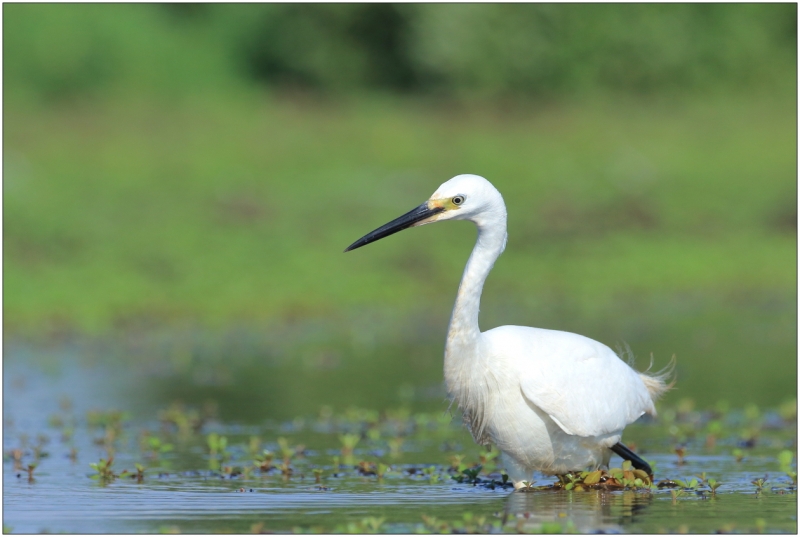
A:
(412, 217)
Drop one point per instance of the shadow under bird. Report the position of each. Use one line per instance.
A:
(514, 383)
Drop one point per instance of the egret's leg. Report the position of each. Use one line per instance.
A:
(628, 455)
(606, 459)
(518, 475)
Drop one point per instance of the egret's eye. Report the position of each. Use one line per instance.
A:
(458, 200)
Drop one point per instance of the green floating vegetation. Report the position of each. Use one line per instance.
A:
(103, 469)
(343, 453)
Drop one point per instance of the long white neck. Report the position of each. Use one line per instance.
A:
(464, 330)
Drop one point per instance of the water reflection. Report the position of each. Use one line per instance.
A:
(585, 511)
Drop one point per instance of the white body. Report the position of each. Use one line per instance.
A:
(550, 401)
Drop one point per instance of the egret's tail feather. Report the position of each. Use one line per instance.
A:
(625, 353)
(659, 382)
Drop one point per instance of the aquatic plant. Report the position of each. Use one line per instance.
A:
(156, 447)
(264, 461)
(487, 458)
(382, 469)
(111, 423)
(365, 525)
(184, 420)
(457, 463)
(31, 467)
(422, 472)
(317, 474)
(752, 413)
(432, 473)
(139, 473)
(67, 432)
(254, 445)
(431, 524)
(626, 477)
(349, 442)
(759, 483)
(106, 418)
(680, 451)
(749, 436)
(688, 485)
(714, 429)
(103, 470)
(785, 459)
(469, 524)
(38, 448)
(676, 494)
(568, 481)
(55, 421)
(16, 455)
(468, 475)
(788, 411)
(366, 468)
(395, 446)
(217, 445)
(286, 451)
(793, 476)
(286, 470)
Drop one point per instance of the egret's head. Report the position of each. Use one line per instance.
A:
(464, 197)
(467, 197)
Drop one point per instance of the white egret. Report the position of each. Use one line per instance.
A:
(551, 401)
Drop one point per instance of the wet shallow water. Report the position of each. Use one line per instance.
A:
(188, 489)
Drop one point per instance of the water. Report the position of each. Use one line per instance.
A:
(187, 489)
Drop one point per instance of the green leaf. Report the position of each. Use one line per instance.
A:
(641, 474)
(593, 477)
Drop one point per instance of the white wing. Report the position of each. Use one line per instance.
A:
(583, 386)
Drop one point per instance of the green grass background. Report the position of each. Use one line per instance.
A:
(666, 220)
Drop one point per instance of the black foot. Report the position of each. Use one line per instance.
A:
(628, 455)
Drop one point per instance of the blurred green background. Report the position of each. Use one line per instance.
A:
(180, 181)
